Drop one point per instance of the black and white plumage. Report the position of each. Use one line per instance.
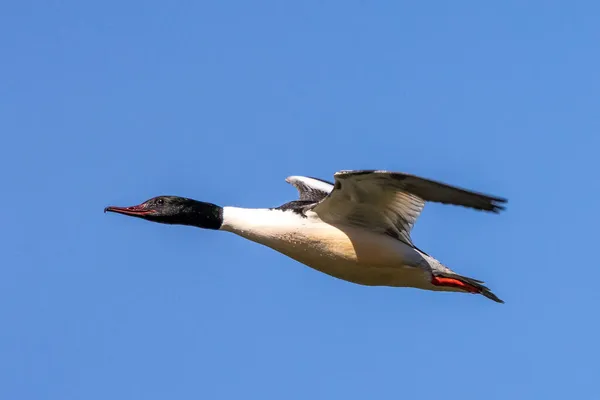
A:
(388, 202)
(356, 229)
(310, 189)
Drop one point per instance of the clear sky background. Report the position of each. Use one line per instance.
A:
(115, 102)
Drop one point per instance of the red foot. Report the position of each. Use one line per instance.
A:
(453, 282)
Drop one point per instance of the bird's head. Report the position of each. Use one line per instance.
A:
(175, 210)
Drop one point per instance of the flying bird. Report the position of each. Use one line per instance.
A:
(356, 229)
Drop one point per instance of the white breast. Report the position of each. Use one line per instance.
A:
(346, 252)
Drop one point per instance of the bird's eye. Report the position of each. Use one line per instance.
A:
(160, 202)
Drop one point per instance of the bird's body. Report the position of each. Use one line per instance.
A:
(349, 253)
(356, 229)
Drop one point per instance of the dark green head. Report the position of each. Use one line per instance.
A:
(175, 210)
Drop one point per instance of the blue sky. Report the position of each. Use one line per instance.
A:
(112, 103)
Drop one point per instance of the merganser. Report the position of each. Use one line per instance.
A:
(356, 229)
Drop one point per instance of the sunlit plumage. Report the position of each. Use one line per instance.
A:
(356, 228)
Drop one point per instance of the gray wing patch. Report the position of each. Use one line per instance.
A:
(310, 189)
(391, 202)
(429, 190)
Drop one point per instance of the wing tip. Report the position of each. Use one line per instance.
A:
(498, 204)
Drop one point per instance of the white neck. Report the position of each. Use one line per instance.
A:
(250, 222)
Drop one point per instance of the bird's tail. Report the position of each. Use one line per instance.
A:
(462, 282)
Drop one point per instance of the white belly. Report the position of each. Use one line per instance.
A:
(348, 253)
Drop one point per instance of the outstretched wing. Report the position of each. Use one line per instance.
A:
(391, 202)
(310, 189)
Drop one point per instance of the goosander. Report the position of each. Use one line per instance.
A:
(356, 229)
